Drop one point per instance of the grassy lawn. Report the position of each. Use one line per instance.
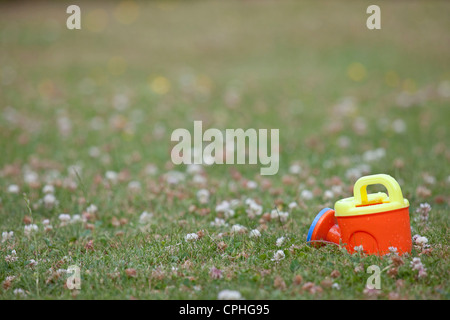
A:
(86, 116)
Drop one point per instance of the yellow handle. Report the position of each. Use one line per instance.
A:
(360, 188)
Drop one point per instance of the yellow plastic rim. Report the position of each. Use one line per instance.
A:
(362, 203)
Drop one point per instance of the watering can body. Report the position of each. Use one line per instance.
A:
(373, 223)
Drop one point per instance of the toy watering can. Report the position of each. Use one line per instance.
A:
(373, 223)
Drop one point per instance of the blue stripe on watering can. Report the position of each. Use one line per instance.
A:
(313, 224)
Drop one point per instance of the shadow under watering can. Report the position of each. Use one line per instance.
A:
(377, 222)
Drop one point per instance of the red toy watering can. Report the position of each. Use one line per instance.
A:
(373, 223)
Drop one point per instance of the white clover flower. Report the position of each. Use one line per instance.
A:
(13, 188)
(30, 177)
(69, 183)
(19, 292)
(198, 179)
(293, 205)
(11, 257)
(32, 263)
(234, 203)
(92, 209)
(134, 186)
(48, 188)
(50, 201)
(421, 241)
(429, 179)
(278, 256)
(344, 142)
(47, 225)
(251, 184)
(94, 152)
(393, 250)
(64, 218)
(229, 295)
(307, 195)
(28, 229)
(336, 286)
(249, 201)
(424, 210)
(151, 169)
(174, 177)
(111, 176)
(416, 264)
(215, 273)
(197, 288)
(7, 235)
(399, 126)
(74, 170)
(336, 189)
(422, 272)
(10, 278)
(145, 217)
(237, 228)
(279, 215)
(280, 241)
(358, 171)
(255, 233)
(295, 169)
(218, 222)
(345, 106)
(328, 195)
(225, 208)
(374, 155)
(253, 209)
(191, 237)
(203, 196)
(359, 248)
(76, 218)
(194, 169)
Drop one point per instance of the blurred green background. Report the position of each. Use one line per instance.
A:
(139, 69)
(348, 101)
